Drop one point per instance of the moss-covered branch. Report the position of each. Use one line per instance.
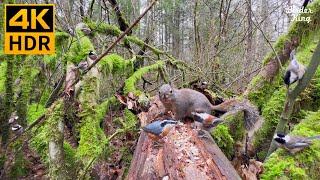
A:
(136, 76)
(292, 95)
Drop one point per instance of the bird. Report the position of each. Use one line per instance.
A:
(206, 122)
(93, 55)
(293, 143)
(86, 31)
(16, 128)
(71, 32)
(13, 117)
(294, 72)
(159, 129)
(83, 65)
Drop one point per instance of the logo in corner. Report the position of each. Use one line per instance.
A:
(29, 29)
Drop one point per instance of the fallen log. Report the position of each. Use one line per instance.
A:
(182, 155)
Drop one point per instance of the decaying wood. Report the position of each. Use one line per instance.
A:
(182, 155)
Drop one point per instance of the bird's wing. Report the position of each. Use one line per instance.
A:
(299, 145)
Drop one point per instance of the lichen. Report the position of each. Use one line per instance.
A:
(302, 165)
(3, 67)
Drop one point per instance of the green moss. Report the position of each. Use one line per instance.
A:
(259, 97)
(20, 164)
(302, 165)
(3, 67)
(104, 29)
(114, 63)
(224, 140)
(79, 52)
(92, 138)
(132, 80)
(271, 115)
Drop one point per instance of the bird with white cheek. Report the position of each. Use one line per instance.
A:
(293, 143)
(206, 122)
(295, 71)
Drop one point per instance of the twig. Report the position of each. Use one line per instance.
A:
(264, 36)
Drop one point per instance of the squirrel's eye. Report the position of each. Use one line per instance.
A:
(171, 91)
(159, 92)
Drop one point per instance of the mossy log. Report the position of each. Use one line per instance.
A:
(182, 155)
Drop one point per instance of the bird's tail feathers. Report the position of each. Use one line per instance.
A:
(292, 55)
(314, 137)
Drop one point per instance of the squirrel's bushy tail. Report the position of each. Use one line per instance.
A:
(251, 113)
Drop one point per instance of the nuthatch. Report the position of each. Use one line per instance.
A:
(294, 72)
(160, 128)
(92, 55)
(293, 143)
(206, 121)
(86, 31)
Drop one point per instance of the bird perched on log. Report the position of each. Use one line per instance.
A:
(86, 31)
(159, 129)
(295, 70)
(93, 55)
(206, 122)
(293, 143)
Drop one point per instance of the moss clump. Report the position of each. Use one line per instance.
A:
(136, 76)
(92, 138)
(80, 51)
(106, 29)
(114, 63)
(224, 140)
(303, 165)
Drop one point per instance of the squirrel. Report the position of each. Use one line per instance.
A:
(182, 102)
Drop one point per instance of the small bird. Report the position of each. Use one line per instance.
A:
(13, 117)
(71, 32)
(293, 143)
(93, 55)
(83, 65)
(16, 128)
(159, 129)
(295, 70)
(86, 31)
(206, 121)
